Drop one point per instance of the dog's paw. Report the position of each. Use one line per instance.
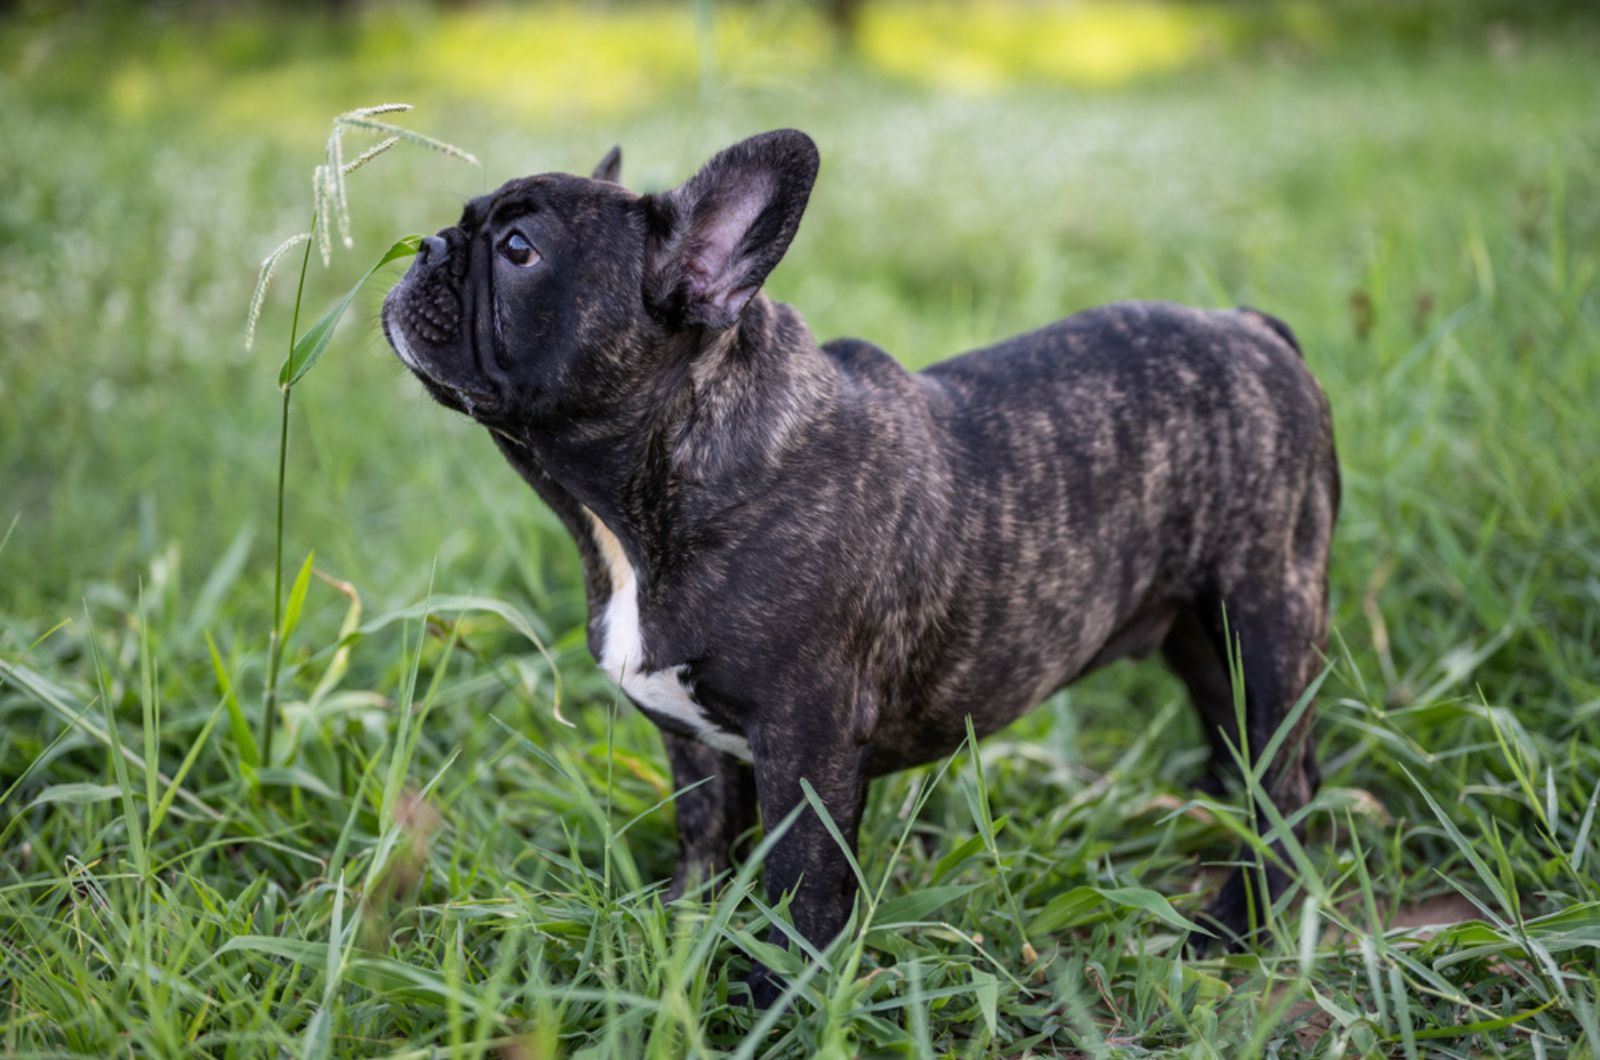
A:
(1218, 938)
(764, 985)
(1228, 918)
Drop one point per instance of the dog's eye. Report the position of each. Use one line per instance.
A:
(519, 251)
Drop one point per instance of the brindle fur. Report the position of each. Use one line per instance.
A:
(850, 558)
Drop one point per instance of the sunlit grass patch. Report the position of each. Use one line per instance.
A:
(526, 62)
(569, 62)
(987, 47)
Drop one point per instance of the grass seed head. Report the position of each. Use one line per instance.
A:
(410, 136)
(369, 154)
(341, 201)
(330, 198)
(377, 108)
(269, 265)
(319, 195)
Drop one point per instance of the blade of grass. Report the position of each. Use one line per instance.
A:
(243, 738)
(160, 811)
(308, 349)
(130, 814)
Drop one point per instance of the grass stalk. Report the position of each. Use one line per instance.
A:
(269, 703)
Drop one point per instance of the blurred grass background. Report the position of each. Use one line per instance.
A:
(1412, 185)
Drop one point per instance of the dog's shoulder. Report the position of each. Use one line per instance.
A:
(872, 372)
(858, 356)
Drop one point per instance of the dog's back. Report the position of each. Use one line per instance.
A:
(1103, 474)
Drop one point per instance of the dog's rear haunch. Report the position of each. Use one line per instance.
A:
(806, 564)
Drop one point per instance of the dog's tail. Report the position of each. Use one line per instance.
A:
(1278, 326)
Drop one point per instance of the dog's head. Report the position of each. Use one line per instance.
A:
(560, 298)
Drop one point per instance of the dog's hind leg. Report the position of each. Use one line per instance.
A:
(712, 815)
(1279, 634)
(1190, 649)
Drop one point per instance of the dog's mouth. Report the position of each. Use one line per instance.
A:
(477, 398)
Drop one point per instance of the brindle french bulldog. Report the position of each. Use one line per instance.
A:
(805, 563)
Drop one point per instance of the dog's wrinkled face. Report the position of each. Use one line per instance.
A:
(558, 298)
(536, 287)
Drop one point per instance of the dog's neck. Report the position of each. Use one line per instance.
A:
(715, 430)
(750, 395)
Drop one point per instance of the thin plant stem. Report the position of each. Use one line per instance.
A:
(269, 705)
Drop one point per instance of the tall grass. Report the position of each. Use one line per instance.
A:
(331, 206)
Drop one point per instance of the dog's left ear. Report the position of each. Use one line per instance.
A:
(714, 240)
(610, 167)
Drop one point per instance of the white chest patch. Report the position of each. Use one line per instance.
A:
(661, 692)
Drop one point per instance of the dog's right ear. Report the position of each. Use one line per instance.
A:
(610, 167)
(714, 240)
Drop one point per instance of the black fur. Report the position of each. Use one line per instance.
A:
(840, 560)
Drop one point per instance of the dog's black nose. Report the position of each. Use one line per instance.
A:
(433, 249)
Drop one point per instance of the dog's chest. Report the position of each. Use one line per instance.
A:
(662, 694)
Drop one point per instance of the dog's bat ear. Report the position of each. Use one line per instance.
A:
(610, 167)
(715, 239)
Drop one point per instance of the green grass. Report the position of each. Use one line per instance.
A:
(433, 861)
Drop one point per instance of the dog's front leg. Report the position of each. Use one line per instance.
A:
(808, 862)
(712, 815)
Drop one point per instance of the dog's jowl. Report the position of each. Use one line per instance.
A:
(805, 563)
